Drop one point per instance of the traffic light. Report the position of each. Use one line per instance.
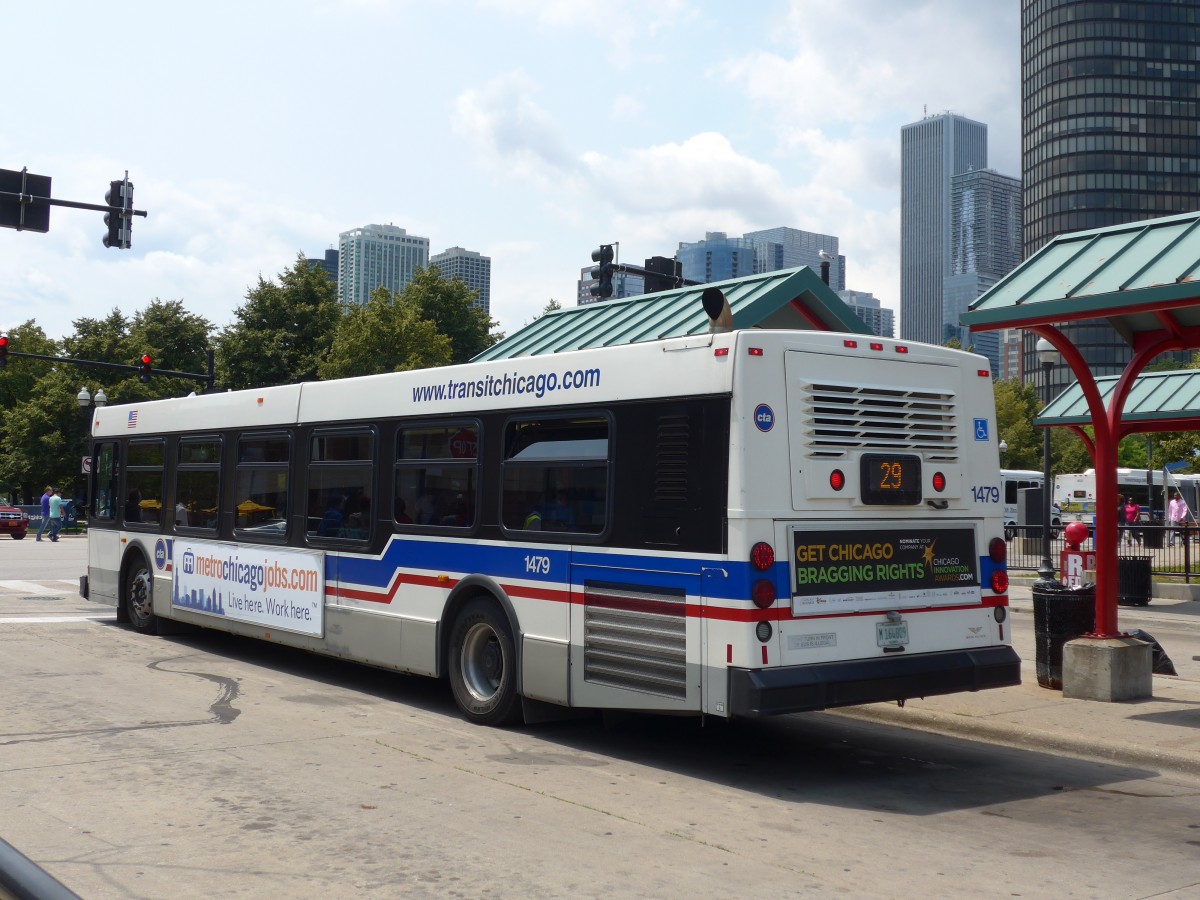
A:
(663, 274)
(3, 350)
(603, 273)
(144, 368)
(120, 224)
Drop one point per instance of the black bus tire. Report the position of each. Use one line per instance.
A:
(139, 596)
(483, 665)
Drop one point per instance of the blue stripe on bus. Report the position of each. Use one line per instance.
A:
(523, 562)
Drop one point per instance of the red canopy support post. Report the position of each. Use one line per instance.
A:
(1104, 455)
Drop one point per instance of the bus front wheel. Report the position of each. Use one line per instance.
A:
(139, 596)
(483, 671)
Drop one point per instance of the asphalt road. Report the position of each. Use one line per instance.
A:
(211, 766)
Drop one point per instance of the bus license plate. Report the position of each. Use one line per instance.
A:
(891, 634)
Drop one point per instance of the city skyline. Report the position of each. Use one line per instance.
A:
(693, 118)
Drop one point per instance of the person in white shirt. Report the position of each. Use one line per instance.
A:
(1177, 515)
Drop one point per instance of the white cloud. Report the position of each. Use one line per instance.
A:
(511, 133)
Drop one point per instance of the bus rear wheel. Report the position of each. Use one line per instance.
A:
(139, 597)
(483, 671)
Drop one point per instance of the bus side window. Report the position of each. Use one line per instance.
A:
(144, 483)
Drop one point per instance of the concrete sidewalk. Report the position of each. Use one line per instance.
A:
(1161, 733)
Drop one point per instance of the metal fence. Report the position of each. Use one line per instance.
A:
(1172, 551)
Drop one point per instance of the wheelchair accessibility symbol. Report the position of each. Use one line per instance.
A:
(981, 429)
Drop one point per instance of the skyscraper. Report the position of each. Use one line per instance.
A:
(932, 151)
(328, 265)
(471, 268)
(377, 256)
(867, 307)
(716, 258)
(1110, 130)
(786, 248)
(985, 245)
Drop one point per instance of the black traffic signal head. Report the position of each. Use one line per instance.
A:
(144, 368)
(120, 224)
(3, 350)
(603, 273)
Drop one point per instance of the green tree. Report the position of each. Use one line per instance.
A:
(178, 340)
(22, 475)
(450, 305)
(1016, 406)
(388, 334)
(282, 331)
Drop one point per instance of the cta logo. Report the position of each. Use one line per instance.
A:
(160, 553)
(764, 418)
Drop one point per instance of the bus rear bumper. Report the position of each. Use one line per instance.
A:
(766, 692)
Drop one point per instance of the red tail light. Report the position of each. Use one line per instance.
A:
(763, 593)
(998, 551)
(762, 556)
(837, 480)
(999, 581)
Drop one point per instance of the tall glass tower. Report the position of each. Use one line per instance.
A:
(932, 152)
(1110, 129)
(377, 256)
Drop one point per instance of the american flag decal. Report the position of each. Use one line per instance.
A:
(132, 419)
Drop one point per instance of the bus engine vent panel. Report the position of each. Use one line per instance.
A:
(634, 638)
(839, 418)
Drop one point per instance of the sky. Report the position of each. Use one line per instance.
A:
(531, 131)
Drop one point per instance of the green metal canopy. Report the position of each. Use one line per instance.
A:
(786, 298)
(1140, 276)
(1157, 401)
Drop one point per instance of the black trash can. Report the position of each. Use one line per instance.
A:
(1153, 536)
(1133, 580)
(1060, 614)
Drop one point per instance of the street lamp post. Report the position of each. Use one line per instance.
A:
(1047, 357)
(85, 400)
(1003, 452)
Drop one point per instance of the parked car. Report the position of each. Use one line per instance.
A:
(13, 521)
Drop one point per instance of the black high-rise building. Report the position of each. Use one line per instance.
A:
(1110, 130)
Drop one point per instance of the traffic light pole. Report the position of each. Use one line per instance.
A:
(207, 380)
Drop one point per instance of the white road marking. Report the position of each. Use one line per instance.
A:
(27, 587)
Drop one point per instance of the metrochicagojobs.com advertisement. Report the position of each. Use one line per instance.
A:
(270, 586)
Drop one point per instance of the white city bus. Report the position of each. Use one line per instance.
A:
(1075, 493)
(1012, 482)
(734, 524)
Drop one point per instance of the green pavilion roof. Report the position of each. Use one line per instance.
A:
(787, 298)
(1156, 399)
(1129, 274)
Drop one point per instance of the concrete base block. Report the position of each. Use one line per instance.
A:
(1108, 669)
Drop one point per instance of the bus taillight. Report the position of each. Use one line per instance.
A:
(939, 482)
(998, 551)
(762, 556)
(999, 581)
(763, 593)
(837, 479)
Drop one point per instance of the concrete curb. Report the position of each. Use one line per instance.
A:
(1092, 748)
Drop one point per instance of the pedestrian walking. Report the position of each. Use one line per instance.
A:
(45, 512)
(1130, 513)
(56, 514)
(1178, 515)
